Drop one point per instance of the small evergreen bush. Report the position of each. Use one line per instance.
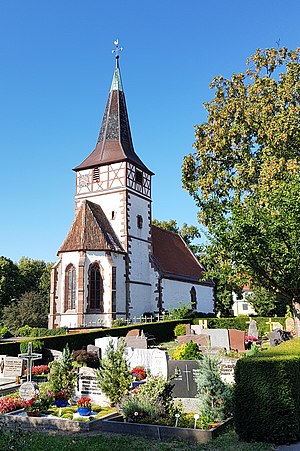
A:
(187, 351)
(179, 330)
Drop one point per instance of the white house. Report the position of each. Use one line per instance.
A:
(113, 262)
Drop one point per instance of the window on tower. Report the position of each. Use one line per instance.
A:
(95, 296)
(139, 221)
(96, 176)
(138, 176)
(70, 287)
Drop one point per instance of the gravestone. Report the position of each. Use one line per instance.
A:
(227, 370)
(202, 340)
(197, 329)
(135, 338)
(28, 390)
(185, 380)
(252, 329)
(29, 356)
(236, 340)
(103, 342)
(87, 385)
(289, 324)
(12, 367)
(153, 360)
(94, 350)
(54, 354)
(277, 325)
(219, 338)
(278, 336)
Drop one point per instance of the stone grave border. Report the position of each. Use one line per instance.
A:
(42, 424)
(116, 425)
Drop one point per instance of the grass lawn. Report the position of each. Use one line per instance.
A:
(22, 441)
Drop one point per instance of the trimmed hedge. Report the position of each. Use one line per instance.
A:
(162, 331)
(267, 395)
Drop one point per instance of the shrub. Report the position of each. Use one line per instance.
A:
(85, 358)
(179, 330)
(142, 409)
(37, 346)
(119, 323)
(215, 397)
(268, 386)
(25, 331)
(62, 375)
(5, 333)
(187, 351)
(114, 377)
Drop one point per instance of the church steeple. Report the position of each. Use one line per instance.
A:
(114, 141)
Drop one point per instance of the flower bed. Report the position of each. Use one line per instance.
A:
(11, 403)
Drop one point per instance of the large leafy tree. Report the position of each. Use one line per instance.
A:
(10, 281)
(31, 309)
(244, 173)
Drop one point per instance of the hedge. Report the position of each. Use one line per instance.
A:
(267, 395)
(162, 331)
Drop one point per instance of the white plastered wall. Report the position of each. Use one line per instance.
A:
(176, 291)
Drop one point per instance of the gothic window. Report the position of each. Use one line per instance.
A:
(139, 221)
(114, 292)
(193, 298)
(95, 297)
(70, 287)
(138, 177)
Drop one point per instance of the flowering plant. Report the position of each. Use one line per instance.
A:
(39, 369)
(61, 394)
(250, 338)
(139, 373)
(10, 403)
(84, 402)
(33, 405)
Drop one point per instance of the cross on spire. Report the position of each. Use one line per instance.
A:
(117, 50)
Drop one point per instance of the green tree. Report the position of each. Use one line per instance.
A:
(114, 377)
(10, 281)
(35, 275)
(266, 303)
(244, 173)
(31, 309)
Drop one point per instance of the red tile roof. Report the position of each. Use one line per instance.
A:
(174, 259)
(91, 230)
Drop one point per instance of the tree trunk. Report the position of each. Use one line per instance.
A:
(296, 315)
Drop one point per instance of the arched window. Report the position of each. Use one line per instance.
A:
(193, 298)
(70, 284)
(95, 301)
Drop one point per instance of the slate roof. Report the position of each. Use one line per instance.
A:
(173, 259)
(91, 230)
(114, 141)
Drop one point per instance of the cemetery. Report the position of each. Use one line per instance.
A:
(191, 387)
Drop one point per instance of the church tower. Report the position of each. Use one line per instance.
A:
(104, 268)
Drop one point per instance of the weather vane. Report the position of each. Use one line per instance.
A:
(117, 49)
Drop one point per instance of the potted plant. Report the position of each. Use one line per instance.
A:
(84, 406)
(33, 407)
(61, 398)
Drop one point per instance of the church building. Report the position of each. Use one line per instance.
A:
(113, 262)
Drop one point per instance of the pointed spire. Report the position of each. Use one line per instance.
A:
(114, 141)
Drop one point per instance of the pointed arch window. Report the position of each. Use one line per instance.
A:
(95, 300)
(193, 298)
(70, 284)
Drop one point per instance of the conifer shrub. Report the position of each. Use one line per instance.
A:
(187, 351)
(267, 395)
(179, 330)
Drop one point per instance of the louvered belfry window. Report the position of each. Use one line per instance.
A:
(70, 287)
(95, 289)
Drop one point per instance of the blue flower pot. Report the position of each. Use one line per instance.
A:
(84, 411)
(61, 402)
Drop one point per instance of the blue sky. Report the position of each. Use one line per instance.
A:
(56, 70)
